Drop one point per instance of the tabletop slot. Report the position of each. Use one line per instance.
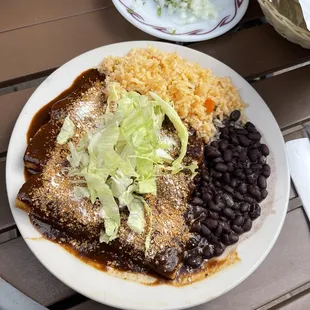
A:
(11, 104)
(288, 96)
(6, 219)
(46, 46)
(20, 268)
(33, 12)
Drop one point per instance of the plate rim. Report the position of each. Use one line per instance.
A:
(135, 307)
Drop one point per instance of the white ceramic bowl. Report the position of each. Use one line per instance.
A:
(167, 27)
(125, 294)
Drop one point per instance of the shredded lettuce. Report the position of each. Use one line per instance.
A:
(136, 216)
(177, 123)
(66, 131)
(81, 192)
(118, 159)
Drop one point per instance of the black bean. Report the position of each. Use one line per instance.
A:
(224, 136)
(244, 207)
(223, 145)
(248, 199)
(218, 160)
(212, 239)
(194, 260)
(264, 193)
(221, 167)
(241, 165)
(237, 230)
(215, 144)
(242, 177)
(242, 188)
(208, 251)
(247, 225)
(218, 231)
(233, 182)
(237, 173)
(248, 171)
(235, 115)
(225, 239)
(228, 213)
(196, 228)
(214, 215)
(206, 196)
(212, 152)
(234, 139)
(230, 167)
(206, 177)
(234, 238)
(218, 249)
(231, 128)
(197, 210)
(218, 198)
(238, 196)
(226, 177)
(264, 149)
(229, 201)
(256, 166)
(236, 207)
(217, 183)
(214, 207)
(254, 192)
(238, 221)
(266, 168)
(266, 173)
(224, 130)
(249, 126)
(197, 201)
(228, 189)
(226, 227)
(241, 131)
(217, 175)
(193, 242)
(255, 211)
(227, 156)
(253, 154)
(205, 231)
(211, 223)
(243, 140)
(252, 178)
(243, 156)
(239, 148)
(198, 192)
(256, 145)
(255, 136)
(235, 154)
(261, 182)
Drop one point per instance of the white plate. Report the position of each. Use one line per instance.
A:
(124, 294)
(168, 27)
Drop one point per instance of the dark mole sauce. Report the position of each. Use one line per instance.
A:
(57, 105)
(99, 261)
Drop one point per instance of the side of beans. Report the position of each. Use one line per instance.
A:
(229, 187)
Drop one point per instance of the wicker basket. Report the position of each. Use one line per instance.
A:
(284, 26)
